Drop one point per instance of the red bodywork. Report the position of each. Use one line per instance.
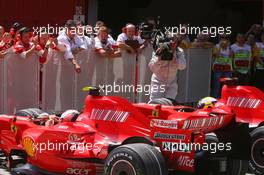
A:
(247, 103)
(106, 123)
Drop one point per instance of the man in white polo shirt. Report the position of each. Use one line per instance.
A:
(129, 34)
(73, 43)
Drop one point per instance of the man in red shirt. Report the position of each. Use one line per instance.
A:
(43, 43)
(2, 31)
(24, 47)
(5, 44)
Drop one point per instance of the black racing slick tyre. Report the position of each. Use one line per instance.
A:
(256, 162)
(135, 159)
(226, 166)
(33, 112)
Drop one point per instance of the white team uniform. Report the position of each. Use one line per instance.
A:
(76, 42)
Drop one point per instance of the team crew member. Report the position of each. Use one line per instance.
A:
(72, 42)
(242, 59)
(105, 49)
(255, 30)
(259, 69)
(43, 46)
(14, 32)
(129, 34)
(105, 46)
(43, 43)
(2, 31)
(24, 47)
(5, 44)
(101, 24)
(184, 39)
(201, 41)
(251, 41)
(222, 66)
(2, 54)
(87, 41)
(164, 77)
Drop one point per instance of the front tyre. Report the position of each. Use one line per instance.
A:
(135, 159)
(256, 162)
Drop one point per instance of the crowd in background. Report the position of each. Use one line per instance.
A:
(242, 58)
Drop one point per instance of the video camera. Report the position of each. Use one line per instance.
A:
(162, 43)
(163, 47)
(146, 30)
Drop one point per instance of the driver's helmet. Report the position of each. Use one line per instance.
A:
(69, 115)
(207, 102)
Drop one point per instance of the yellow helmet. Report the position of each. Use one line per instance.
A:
(207, 102)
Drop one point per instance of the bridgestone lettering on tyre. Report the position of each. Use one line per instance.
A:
(256, 163)
(135, 159)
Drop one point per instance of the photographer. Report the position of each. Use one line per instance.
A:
(165, 63)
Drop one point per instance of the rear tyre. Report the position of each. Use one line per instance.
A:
(256, 162)
(135, 159)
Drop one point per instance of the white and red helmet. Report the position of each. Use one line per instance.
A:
(69, 115)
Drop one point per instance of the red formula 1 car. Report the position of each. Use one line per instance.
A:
(114, 137)
(247, 103)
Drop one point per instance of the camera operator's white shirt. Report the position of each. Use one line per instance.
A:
(165, 75)
(76, 42)
(123, 37)
(166, 71)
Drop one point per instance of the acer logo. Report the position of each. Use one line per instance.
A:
(76, 171)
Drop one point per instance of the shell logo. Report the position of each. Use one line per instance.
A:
(28, 144)
(74, 138)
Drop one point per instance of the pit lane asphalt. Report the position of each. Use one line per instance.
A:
(4, 171)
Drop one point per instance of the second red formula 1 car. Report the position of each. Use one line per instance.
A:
(115, 137)
(247, 103)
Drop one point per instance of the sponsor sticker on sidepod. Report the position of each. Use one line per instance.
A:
(170, 124)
